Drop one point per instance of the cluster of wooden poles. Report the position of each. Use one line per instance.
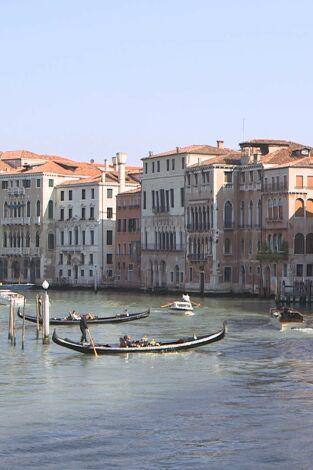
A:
(42, 318)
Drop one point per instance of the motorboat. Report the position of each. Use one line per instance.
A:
(284, 318)
(6, 296)
(16, 286)
(181, 306)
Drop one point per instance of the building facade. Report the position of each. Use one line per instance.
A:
(127, 244)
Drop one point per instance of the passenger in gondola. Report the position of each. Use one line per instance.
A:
(84, 327)
(73, 315)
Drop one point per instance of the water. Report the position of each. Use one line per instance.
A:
(242, 403)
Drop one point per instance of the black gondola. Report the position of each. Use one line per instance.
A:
(162, 347)
(118, 318)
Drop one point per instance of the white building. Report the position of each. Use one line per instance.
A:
(163, 226)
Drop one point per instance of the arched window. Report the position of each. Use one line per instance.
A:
(299, 208)
(299, 244)
(50, 241)
(242, 214)
(227, 246)
(27, 240)
(5, 240)
(270, 209)
(309, 243)
(309, 208)
(275, 209)
(37, 239)
(28, 209)
(228, 215)
(259, 213)
(250, 213)
(38, 209)
(280, 209)
(50, 209)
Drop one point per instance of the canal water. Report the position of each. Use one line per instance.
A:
(245, 402)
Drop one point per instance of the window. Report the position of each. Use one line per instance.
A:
(109, 212)
(69, 272)
(299, 244)
(228, 177)
(227, 246)
(146, 168)
(50, 209)
(70, 195)
(51, 183)
(227, 274)
(61, 258)
(109, 193)
(309, 208)
(109, 237)
(309, 243)
(153, 164)
(167, 165)
(61, 214)
(5, 184)
(82, 259)
(144, 203)
(62, 238)
(309, 270)
(70, 213)
(228, 215)
(37, 183)
(92, 193)
(90, 273)
(251, 176)
(158, 166)
(83, 237)
(50, 241)
(182, 194)
(190, 274)
(92, 237)
(92, 213)
(183, 163)
(82, 273)
(38, 208)
(37, 240)
(83, 193)
(60, 272)
(173, 164)
(299, 208)
(28, 209)
(83, 213)
(91, 258)
(310, 182)
(118, 225)
(70, 237)
(172, 196)
(299, 181)
(299, 270)
(109, 258)
(62, 196)
(76, 235)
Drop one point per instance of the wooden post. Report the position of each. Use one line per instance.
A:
(46, 315)
(23, 327)
(95, 287)
(14, 323)
(10, 320)
(38, 304)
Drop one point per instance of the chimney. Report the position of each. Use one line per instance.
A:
(150, 153)
(121, 162)
(92, 161)
(177, 149)
(220, 144)
(106, 165)
(114, 162)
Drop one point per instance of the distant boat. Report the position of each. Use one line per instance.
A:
(7, 295)
(17, 286)
(284, 318)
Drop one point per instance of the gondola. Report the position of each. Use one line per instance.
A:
(182, 344)
(118, 318)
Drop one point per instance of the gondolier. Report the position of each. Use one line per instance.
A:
(84, 327)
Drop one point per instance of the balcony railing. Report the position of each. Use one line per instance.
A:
(16, 191)
(33, 251)
(15, 221)
(198, 227)
(153, 247)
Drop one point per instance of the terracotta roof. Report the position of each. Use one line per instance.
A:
(197, 149)
(135, 190)
(232, 158)
(273, 142)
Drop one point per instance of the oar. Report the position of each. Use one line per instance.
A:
(195, 305)
(93, 344)
(166, 305)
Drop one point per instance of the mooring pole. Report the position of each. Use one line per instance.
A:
(38, 301)
(14, 323)
(45, 314)
(23, 327)
(10, 320)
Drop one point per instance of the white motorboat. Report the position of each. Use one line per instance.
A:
(284, 318)
(181, 306)
(6, 295)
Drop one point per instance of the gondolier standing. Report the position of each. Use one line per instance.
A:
(84, 327)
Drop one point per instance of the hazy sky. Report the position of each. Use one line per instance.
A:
(86, 79)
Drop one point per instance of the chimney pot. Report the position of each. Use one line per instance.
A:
(220, 144)
(177, 149)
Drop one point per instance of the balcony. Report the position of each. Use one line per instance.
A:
(198, 257)
(274, 188)
(15, 221)
(16, 191)
(153, 247)
(33, 251)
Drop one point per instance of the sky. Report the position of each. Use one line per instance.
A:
(87, 79)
